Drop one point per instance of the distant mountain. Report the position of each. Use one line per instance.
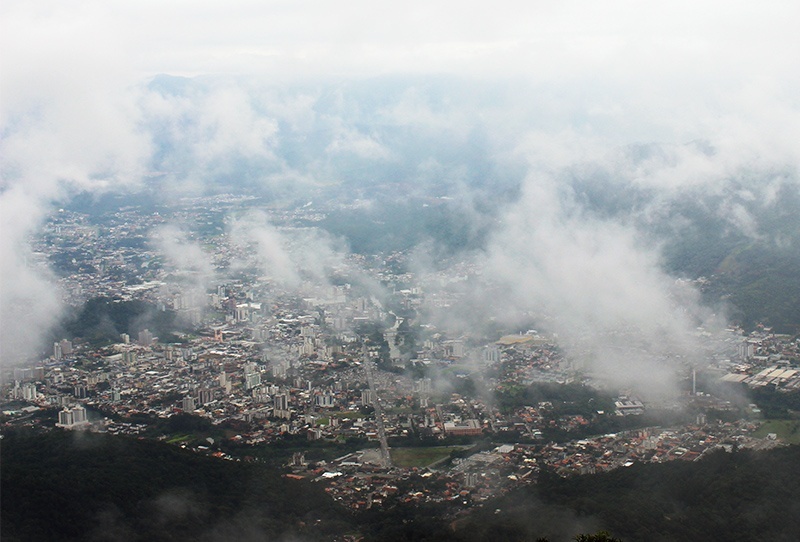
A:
(439, 160)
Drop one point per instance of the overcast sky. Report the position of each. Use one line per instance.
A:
(682, 65)
(624, 40)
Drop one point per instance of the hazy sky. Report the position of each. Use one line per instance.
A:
(688, 67)
(713, 42)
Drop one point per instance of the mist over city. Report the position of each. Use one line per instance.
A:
(360, 271)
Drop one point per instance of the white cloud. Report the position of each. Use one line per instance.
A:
(186, 258)
(602, 288)
(580, 81)
(29, 300)
(349, 141)
(620, 38)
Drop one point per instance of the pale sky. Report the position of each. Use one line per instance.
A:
(685, 63)
(536, 39)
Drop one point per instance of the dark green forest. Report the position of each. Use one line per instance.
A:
(82, 486)
(742, 496)
(755, 276)
(101, 320)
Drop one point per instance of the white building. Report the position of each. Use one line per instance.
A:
(29, 392)
(188, 404)
(72, 418)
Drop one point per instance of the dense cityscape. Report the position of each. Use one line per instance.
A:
(417, 413)
(422, 271)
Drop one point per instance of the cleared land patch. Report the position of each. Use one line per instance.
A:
(421, 457)
(786, 430)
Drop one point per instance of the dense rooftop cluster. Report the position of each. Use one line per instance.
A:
(268, 365)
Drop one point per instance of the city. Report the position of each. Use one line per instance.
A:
(421, 271)
(413, 414)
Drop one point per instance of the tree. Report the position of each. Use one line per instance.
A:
(600, 536)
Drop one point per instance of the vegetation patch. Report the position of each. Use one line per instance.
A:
(786, 430)
(421, 457)
(179, 438)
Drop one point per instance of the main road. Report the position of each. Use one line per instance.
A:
(368, 368)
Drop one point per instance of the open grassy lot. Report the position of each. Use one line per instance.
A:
(787, 430)
(420, 457)
(179, 438)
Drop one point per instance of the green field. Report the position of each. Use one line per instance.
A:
(787, 430)
(179, 438)
(421, 457)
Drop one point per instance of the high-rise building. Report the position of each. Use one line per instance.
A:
(29, 392)
(491, 354)
(279, 370)
(78, 414)
(65, 418)
(66, 347)
(454, 348)
(423, 385)
(367, 397)
(252, 375)
(145, 338)
(260, 395)
(71, 418)
(281, 402)
(307, 348)
(188, 404)
(298, 459)
(205, 396)
(251, 380)
(62, 349)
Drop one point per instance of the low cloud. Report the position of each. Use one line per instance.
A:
(185, 260)
(29, 299)
(53, 147)
(603, 289)
(289, 256)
